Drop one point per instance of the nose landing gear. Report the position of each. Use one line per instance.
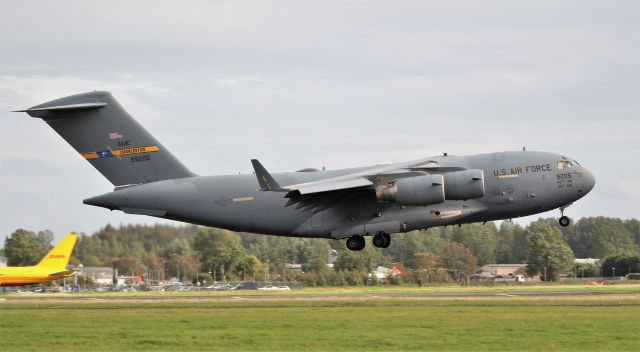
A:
(564, 220)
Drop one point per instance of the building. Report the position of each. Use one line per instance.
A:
(592, 261)
(293, 268)
(102, 275)
(503, 270)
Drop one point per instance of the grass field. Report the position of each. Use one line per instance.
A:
(608, 322)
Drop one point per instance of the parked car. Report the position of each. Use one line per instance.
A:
(246, 285)
(274, 288)
(633, 276)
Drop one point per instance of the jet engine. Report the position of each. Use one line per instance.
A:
(463, 185)
(418, 190)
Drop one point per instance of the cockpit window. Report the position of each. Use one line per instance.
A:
(564, 164)
(577, 163)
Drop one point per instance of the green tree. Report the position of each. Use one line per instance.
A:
(511, 243)
(45, 238)
(404, 246)
(620, 264)
(22, 248)
(520, 243)
(129, 265)
(218, 248)
(479, 239)
(633, 225)
(598, 237)
(586, 270)
(204, 279)
(547, 249)
(458, 259)
(247, 267)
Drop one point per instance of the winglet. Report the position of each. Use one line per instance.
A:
(266, 181)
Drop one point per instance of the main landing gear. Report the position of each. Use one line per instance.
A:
(355, 243)
(380, 240)
(564, 220)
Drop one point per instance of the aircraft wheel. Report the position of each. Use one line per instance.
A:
(388, 238)
(564, 221)
(355, 243)
(382, 240)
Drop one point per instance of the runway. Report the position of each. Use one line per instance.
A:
(160, 296)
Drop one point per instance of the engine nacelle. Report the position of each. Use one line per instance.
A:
(418, 190)
(463, 185)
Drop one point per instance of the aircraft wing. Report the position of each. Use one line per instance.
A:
(322, 194)
(332, 184)
(377, 175)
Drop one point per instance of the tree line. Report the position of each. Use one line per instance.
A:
(442, 254)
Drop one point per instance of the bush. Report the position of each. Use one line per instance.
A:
(621, 264)
(394, 279)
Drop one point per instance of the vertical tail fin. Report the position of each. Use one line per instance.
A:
(58, 257)
(99, 128)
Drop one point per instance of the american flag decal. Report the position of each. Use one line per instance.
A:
(114, 135)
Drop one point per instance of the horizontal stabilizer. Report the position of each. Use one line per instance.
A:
(81, 106)
(65, 273)
(266, 181)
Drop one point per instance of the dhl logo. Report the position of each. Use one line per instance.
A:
(56, 256)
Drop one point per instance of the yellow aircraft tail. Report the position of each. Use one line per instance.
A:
(58, 257)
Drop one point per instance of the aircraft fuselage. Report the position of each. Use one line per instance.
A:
(516, 184)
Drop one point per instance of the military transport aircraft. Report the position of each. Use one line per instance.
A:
(349, 203)
(52, 267)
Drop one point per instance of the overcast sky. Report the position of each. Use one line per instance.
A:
(327, 83)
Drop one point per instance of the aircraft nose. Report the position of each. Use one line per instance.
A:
(588, 180)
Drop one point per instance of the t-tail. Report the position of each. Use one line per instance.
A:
(58, 257)
(99, 128)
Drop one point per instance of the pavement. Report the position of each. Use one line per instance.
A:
(301, 296)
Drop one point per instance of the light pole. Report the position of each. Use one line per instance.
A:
(613, 272)
(545, 274)
(163, 261)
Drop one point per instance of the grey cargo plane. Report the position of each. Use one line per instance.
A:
(349, 203)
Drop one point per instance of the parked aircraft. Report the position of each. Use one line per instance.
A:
(52, 267)
(348, 203)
